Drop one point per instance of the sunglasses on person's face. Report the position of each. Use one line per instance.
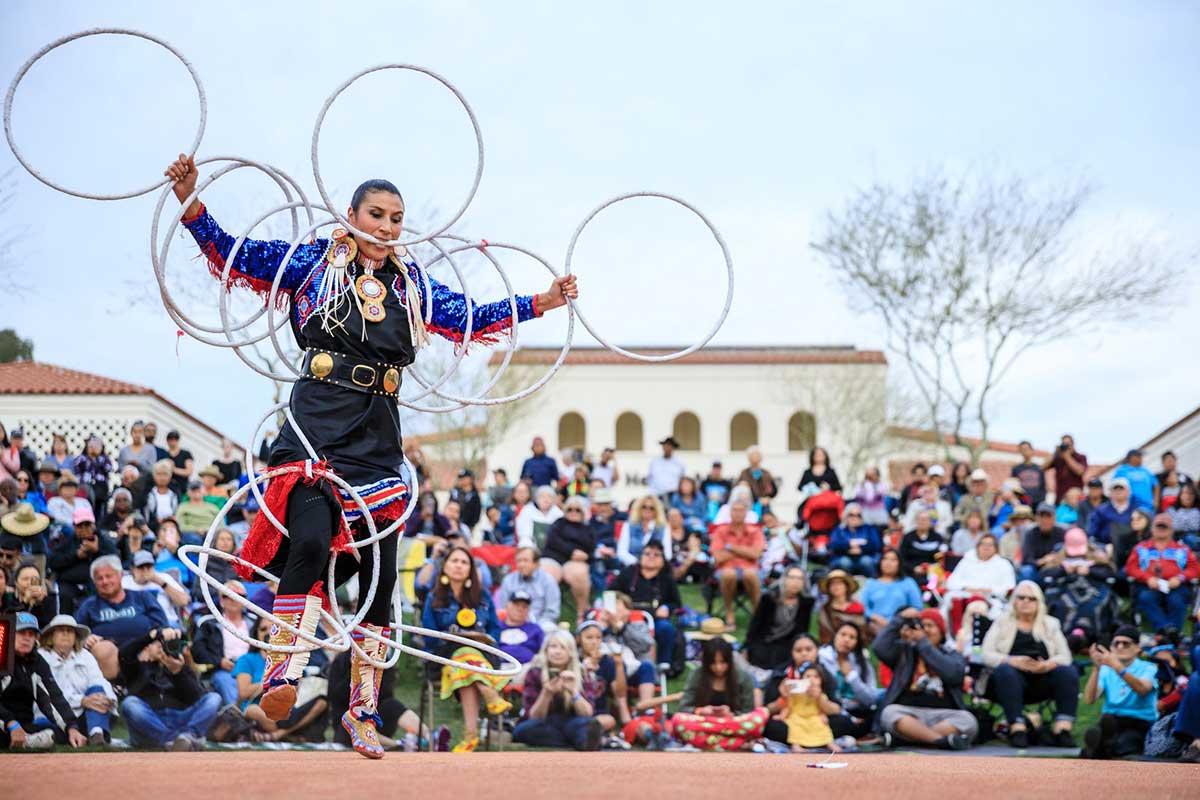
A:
(574, 511)
(852, 514)
(1028, 597)
(1162, 526)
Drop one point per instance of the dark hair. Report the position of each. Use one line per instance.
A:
(824, 452)
(708, 654)
(1024, 441)
(373, 185)
(1167, 453)
(860, 658)
(471, 595)
(899, 562)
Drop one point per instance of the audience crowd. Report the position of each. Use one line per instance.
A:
(944, 613)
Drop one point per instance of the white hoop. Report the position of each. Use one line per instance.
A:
(316, 138)
(12, 90)
(728, 267)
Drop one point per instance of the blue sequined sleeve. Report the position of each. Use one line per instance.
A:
(257, 260)
(449, 318)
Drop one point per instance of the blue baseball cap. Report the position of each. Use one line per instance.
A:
(27, 622)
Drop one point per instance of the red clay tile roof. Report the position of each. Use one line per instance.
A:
(707, 355)
(930, 436)
(34, 377)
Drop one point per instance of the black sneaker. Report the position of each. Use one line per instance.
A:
(1018, 739)
(1091, 743)
(1062, 739)
(595, 732)
(958, 741)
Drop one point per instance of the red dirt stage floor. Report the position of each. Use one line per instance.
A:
(577, 776)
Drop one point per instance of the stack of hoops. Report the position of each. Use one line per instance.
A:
(237, 335)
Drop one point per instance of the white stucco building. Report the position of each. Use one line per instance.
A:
(45, 399)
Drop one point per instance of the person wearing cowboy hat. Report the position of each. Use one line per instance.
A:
(62, 508)
(210, 480)
(47, 479)
(33, 712)
(665, 471)
(26, 526)
(838, 605)
(78, 674)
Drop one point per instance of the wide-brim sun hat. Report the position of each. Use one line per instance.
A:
(24, 521)
(838, 575)
(67, 621)
(711, 628)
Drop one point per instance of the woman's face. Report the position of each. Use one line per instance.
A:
(27, 578)
(1138, 522)
(889, 564)
(804, 649)
(137, 434)
(59, 448)
(458, 566)
(675, 519)
(63, 639)
(974, 523)
(590, 641)
(719, 666)
(820, 457)
(1187, 497)
(687, 487)
(544, 500)
(22, 483)
(986, 548)
(556, 654)
(225, 541)
(520, 494)
(380, 214)
(837, 590)
(647, 511)
(845, 640)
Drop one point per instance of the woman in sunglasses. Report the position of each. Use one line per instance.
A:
(1031, 662)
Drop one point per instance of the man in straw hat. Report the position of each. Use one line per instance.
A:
(84, 687)
(33, 712)
(23, 528)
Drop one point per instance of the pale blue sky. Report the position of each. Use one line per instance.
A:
(763, 114)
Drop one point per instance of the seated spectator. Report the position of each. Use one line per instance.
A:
(1128, 685)
(741, 493)
(736, 549)
(689, 562)
(775, 693)
(718, 710)
(1125, 538)
(74, 557)
(534, 521)
(570, 545)
(120, 508)
(871, 495)
(604, 683)
(838, 604)
(116, 617)
(459, 605)
(219, 569)
(983, 572)
(46, 480)
(213, 645)
(854, 546)
(1005, 503)
(579, 484)
(161, 502)
(807, 711)
(1111, 519)
(93, 468)
(34, 715)
(454, 538)
(132, 482)
(78, 676)
(783, 612)
(930, 502)
(846, 659)
(1187, 719)
(977, 497)
(647, 523)
(1066, 513)
(1078, 557)
(1185, 515)
(884, 595)
(652, 589)
(921, 547)
(520, 636)
(785, 545)
(195, 515)
(1159, 570)
(30, 594)
(427, 524)
(165, 707)
(716, 489)
(166, 547)
(1040, 542)
(63, 506)
(545, 598)
(692, 505)
(27, 491)
(924, 702)
(1031, 662)
(966, 537)
(241, 528)
(249, 667)
(556, 714)
(170, 595)
(211, 487)
(25, 529)
(603, 521)
(630, 633)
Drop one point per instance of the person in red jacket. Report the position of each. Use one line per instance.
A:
(1161, 568)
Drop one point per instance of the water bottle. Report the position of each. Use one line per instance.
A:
(410, 741)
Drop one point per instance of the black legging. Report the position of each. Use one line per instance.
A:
(312, 515)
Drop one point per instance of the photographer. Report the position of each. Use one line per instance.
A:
(1069, 466)
(132, 533)
(924, 702)
(653, 590)
(71, 561)
(116, 617)
(165, 706)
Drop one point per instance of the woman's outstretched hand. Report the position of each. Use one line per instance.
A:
(184, 173)
(560, 291)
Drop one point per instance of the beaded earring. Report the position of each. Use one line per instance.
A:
(445, 581)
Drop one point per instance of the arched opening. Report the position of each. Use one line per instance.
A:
(686, 430)
(629, 432)
(572, 432)
(802, 431)
(743, 431)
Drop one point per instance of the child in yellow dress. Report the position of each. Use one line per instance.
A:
(807, 710)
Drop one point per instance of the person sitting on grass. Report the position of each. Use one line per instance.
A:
(838, 604)
(651, 586)
(1128, 685)
(888, 592)
(30, 698)
(84, 687)
(556, 713)
(846, 659)
(924, 702)
(520, 636)
(603, 675)
(546, 597)
(165, 708)
(807, 711)
(718, 709)
(627, 632)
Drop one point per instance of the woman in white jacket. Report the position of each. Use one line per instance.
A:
(536, 517)
(78, 675)
(983, 571)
